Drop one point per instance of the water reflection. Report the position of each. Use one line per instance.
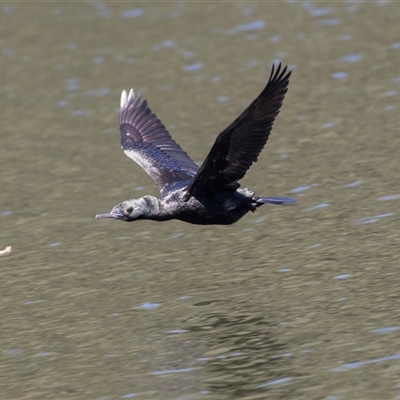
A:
(243, 355)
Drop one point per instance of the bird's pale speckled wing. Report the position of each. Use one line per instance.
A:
(146, 141)
(238, 146)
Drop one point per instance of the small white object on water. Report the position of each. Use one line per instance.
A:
(7, 250)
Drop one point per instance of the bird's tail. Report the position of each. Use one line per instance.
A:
(275, 200)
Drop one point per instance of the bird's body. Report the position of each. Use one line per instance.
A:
(219, 208)
(209, 194)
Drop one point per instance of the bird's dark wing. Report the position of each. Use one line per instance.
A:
(146, 141)
(238, 146)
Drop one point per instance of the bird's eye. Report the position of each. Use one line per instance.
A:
(129, 210)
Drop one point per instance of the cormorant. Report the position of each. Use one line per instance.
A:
(203, 195)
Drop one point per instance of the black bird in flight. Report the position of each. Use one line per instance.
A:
(204, 195)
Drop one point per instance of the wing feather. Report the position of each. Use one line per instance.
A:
(239, 145)
(147, 142)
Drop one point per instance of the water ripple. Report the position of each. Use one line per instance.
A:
(251, 26)
(344, 276)
(358, 364)
(318, 206)
(33, 302)
(319, 12)
(147, 306)
(275, 38)
(372, 219)
(193, 67)
(276, 382)
(72, 84)
(172, 371)
(353, 184)
(133, 13)
(388, 329)
(390, 197)
(300, 189)
(4, 213)
(339, 75)
(351, 58)
(330, 21)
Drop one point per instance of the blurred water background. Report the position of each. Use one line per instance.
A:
(289, 303)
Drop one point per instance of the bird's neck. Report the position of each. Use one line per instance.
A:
(155, 209)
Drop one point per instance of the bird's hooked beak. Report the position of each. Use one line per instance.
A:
(112, 214)
(99, 216)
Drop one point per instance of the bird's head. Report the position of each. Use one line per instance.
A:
(128, 210)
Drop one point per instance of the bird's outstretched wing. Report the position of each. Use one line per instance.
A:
(146, 141)
(238, 146)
